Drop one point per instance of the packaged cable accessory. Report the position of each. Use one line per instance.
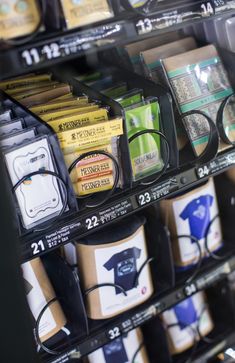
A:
(18, 138)
(39, 292)
(11, 127)
(6, 116)
(201, 83)
(151, 58)
(133, 50)
(112, 261)
(145, 150)
(80, 13)
(181, 323)
(39, 197)
(193, 214)
(122, 350)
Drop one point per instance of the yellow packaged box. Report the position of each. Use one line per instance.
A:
(56, 115)
(95, 162)
(78, 119)
(25, 80)
(85, 12)
(57, 105)
(94, 185)
(90, 136)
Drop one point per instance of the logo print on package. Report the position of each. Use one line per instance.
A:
(115, 352)
(125, 269)
(186, 313)
(197, 212)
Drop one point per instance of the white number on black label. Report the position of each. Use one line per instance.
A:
(92, 222)
(145, 25)
(190, 290)
(207, 8)
(114, 333)
(31, 56)
(37, 247)
(144, 198)
(51, 51)
(203, 171)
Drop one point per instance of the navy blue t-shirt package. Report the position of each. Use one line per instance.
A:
(184, 320)
(193, 215)
(114, 256)
(122, 350)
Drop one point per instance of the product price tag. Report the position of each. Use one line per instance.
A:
(223, 5)
(167, 19)
(217, 165)
(114, 333)
(67, 356)
(143, 316)
(53, 239)
(157, 192)
(72, 44)
(115, 211)
(108, 214)
(190, 289)
(213, 276)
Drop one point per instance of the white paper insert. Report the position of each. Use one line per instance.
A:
(119, 264)
(182, 338)
(193, 214)
(39, 197)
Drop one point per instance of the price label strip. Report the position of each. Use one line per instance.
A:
(157, 192)
(223, 5)
(55, 239)
(214, 166)
(72, 44)
(108, 214)
(177, 16)
(213, 276)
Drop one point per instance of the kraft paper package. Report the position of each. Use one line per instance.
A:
(121, 350)
(19, 18)
(199, 81)
(188, 314)
(115, 256)
(191, 214)
(132, 51)
(152, 58)
(85, 12)
(39, 292)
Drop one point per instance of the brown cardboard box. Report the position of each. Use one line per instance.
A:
(39, 292)
(178, 212)
(104, 302)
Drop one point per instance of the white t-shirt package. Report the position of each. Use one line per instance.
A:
(193, 214)
(121, 350)
(188, 315)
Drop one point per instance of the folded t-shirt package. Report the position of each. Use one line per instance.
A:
(193, 214)
(114, 256)
(122, 350)
(184, 320)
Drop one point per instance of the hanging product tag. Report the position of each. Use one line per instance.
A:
(39, 197)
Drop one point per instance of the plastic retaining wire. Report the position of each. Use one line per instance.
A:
(45, 172)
